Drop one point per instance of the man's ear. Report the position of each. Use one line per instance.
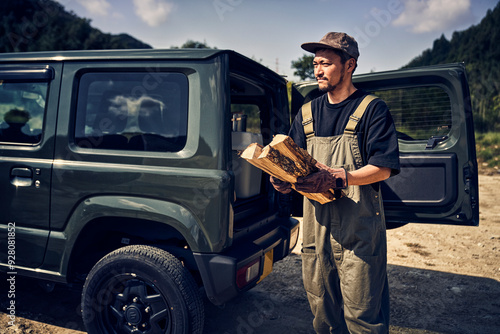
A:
(351, 64)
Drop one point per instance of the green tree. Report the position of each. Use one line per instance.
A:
(190, 44)
(304, 68)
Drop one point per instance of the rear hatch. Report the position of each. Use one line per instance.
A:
(431, 108)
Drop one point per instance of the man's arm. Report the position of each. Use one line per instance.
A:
(367, 175)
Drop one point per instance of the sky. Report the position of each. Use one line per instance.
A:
(390, 33)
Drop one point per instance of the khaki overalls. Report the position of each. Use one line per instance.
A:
(344, 256)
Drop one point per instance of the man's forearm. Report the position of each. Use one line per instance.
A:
(367, 175)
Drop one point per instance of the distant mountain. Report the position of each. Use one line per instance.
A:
(44, 25)
(479, 48)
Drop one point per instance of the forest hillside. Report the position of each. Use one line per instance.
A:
(44, 25)
(479, 48)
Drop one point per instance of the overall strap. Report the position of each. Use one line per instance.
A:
(307, 120)
(358, 113)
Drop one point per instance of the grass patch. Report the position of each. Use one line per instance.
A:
(488, 149)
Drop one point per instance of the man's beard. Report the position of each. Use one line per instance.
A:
(329, 87)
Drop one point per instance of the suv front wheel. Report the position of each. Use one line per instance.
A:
(141, 289)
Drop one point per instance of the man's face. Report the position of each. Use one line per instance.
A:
(328, 70)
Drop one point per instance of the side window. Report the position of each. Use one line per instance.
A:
(125, 111)
(22, 109)
(419, 113)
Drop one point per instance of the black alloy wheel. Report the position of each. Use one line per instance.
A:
(141, 290)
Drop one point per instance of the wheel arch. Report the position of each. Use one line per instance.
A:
(104, 235)
(104, 223)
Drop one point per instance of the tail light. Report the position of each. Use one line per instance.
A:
(247, 273)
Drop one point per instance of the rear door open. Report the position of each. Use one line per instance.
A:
(431, 108)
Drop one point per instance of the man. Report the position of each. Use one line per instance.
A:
(344, 254)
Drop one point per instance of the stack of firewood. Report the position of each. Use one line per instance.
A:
(283, 159)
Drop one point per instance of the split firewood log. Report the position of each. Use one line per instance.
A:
(285, 160)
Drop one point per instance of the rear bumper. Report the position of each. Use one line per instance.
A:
(218, 271)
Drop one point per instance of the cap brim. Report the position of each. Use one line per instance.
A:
(312, 47)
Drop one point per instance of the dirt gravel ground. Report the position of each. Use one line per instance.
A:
(443, 279)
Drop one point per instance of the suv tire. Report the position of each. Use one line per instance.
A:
(123, 295)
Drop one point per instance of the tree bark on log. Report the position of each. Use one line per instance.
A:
(285, 160)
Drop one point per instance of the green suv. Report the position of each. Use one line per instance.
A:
(122, 173)
(119, 172)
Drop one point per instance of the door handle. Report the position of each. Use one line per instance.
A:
(21, 177)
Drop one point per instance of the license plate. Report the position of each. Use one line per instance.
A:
(268, 265)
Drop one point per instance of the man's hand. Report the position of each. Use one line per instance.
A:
(324, 179)
(281, 186)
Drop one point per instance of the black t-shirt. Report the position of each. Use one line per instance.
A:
(376, 132)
